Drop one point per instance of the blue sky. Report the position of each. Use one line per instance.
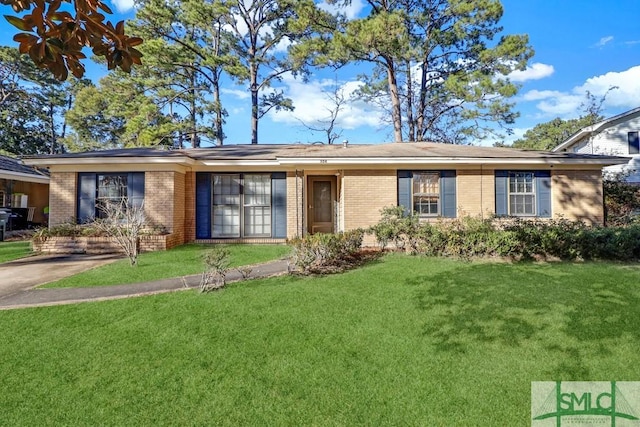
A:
(580, 45)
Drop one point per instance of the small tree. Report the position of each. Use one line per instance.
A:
(123, 223)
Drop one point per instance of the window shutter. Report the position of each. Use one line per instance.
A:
(543, 193)
(203, 205)
(279, 205)
(502, 184)
(448, 193)
(404, 190)
(135, 189)
(86, 197)
(634, 142)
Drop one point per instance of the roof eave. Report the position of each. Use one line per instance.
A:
(27, 177)
(54, 161)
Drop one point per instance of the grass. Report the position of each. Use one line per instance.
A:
(14, 250)
(402, 341)
(181, 261)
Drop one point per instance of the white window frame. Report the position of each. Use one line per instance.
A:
(118, 199)
(429, 190)
(519, 190)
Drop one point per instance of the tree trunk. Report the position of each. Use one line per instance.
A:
(53, 129)
(396, 112)
(422, 103)
(194, 115)
(254, 103)
(218, 119)
(412, 125)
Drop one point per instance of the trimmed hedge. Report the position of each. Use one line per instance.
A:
(511, 237)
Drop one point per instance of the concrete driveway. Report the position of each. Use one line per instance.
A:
(26, 273)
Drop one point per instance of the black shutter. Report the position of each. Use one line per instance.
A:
(448, 193)
(404, 190)
(279, 205)
(86, 197)
(543, 193)
(502, 185)
(203, 205)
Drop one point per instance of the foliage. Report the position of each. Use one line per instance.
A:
(515, 238)
(260, 29)
(547, 136)
(621, 201)
(176, 262)
(216, 264)
(124, 223)
(439, 70)
(54, 38)
(115, 114)
(186, 52)
(68, 229)
(322, 252)
(404, 341)
(32, 106)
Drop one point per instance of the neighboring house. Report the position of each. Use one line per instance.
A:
(24, 190)
(268, 193)
(615, 136)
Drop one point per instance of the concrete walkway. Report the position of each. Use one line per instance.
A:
(18, 287)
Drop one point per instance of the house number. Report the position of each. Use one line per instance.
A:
(323, 161)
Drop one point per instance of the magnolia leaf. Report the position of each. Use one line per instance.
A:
(19, 23)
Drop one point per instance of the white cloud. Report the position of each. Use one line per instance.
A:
(567, 104)
(312, 101)
(603, 41)
(236, 93)
(123, 6)
(535, 71)
(351, 11)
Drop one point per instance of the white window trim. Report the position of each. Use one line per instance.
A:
(533, 192)
(438, 194)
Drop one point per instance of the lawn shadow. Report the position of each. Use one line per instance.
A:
(574, 309)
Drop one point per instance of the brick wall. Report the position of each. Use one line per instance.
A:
(190, 207)
(365, 193)
(475, 193)
(295, 204)
(577, 195)
(62, 197)
(158, 197)
(179, 208)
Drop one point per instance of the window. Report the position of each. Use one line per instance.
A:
(257, 205)
(426, 193)
(112, 189)
(97, 189)
(241, 199)
(1, 199)
(522, 194)
(634, 143)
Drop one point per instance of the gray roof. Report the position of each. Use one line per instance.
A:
(418, 150)
(14, 165)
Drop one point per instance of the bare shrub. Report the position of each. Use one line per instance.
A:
(124, 224)
(216, 263)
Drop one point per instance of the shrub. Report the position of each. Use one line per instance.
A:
(397, 227)
(621, 201)
(216, 264)
(517, 238)
(324, 252)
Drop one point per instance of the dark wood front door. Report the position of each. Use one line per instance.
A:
(322, 200)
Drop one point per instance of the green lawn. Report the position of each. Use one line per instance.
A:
(402, 341)
(14, 250)
(180, 261)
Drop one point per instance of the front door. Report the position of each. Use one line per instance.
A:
(322, 200)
